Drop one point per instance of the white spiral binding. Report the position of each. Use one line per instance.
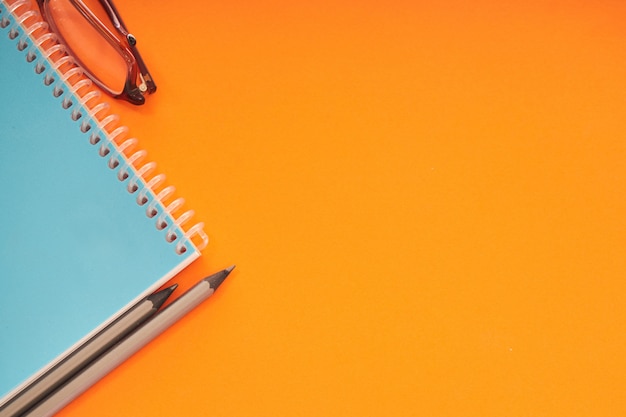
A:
(36, 31)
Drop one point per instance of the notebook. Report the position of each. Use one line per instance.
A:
(87, 228)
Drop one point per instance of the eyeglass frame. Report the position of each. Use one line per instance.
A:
(132, 92)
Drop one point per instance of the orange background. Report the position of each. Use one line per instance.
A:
(424, 201)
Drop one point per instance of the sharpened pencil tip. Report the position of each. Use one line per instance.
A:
(158, 298)
(216, 279)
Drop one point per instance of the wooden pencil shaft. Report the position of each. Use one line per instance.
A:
(81, 357)
(122, 351)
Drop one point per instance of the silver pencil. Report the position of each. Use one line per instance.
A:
(86, 353)
(128, 346)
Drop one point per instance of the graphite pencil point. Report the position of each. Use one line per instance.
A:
(158, 298)
(216, 279)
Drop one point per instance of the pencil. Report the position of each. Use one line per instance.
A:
(81, 357)
(128, 346)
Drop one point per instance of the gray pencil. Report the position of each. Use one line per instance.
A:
(94, 347)
(128, 346)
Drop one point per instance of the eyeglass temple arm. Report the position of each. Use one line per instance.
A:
(117, 21)
(115, 17)
(89, 15)
(119, 25)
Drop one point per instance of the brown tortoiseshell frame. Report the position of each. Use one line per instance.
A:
(126, 47)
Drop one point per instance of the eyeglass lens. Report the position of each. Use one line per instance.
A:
(95, 53)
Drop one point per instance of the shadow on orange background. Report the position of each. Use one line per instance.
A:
(424, 201)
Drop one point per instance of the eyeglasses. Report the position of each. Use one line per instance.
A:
(95, 35)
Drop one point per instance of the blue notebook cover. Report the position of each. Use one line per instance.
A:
(76, 246)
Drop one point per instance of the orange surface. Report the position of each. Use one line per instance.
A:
(425, 202)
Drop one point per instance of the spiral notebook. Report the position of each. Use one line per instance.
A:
(88, 228)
